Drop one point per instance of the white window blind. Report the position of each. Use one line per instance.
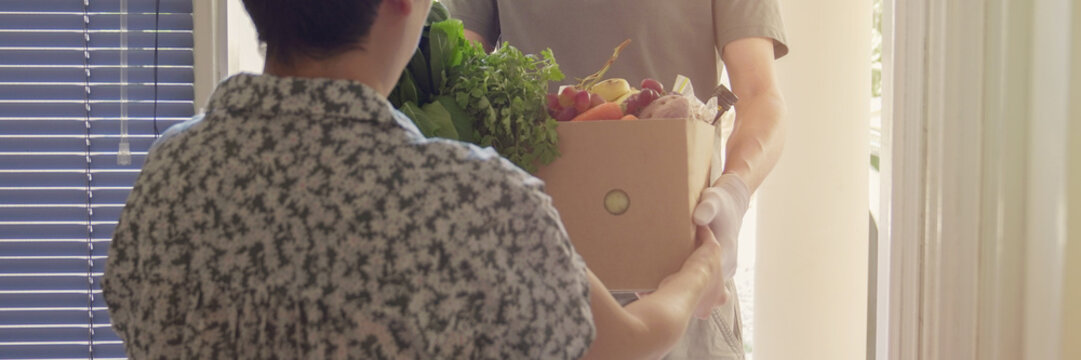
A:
(78, 80)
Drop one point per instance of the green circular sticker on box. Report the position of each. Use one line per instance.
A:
(617, 202)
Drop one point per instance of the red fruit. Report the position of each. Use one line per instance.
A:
(655, 85)
(581, 101)
(566, 96)
(631, 105)
(635, 103)
(595, 100)
(566, 114)
(553, 102)
(646, 97)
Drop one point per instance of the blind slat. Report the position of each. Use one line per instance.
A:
(76, 161)
(66, 91)
(47, 334)
(103, 179)
(101, 56)
(31, 247)
(12, 214)
(97, 75)
(72, 231)
(47, 351)
(102, 21)
(55, 197)
(70, 144)
(33, 266)
(167, 6)
(43, 301)
(136, 39)
(40, 283)
(45, 91)
(76, 110)
(138, 124)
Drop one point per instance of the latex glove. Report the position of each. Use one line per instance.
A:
(722, 207)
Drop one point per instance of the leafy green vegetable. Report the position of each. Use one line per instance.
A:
(437, 13)
(463, 122)
(444, 127)
(419, 117)
(421, 79)
(453, 89)
(505, 91)
(444, 39)
(433, 120)
(409, 91)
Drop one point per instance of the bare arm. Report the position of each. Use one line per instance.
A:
(759, 132)
(648, 328)
(473, 36)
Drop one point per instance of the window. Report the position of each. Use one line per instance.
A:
(80, 80)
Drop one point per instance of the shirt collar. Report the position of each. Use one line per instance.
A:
(304, 96)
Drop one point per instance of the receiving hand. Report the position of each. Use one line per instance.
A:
(709, 252)
(722, 207)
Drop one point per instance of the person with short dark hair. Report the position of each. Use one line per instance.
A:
(303, 217)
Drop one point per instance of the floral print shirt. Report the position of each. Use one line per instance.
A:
(306, 218)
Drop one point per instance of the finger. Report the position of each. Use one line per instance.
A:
(707, 208)
(729, 255)
(704, 234)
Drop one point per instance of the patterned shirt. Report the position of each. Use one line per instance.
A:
(305, 218)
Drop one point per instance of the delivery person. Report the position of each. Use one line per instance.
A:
(303, 217)
(670, 38)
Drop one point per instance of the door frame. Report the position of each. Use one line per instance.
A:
(975, 111)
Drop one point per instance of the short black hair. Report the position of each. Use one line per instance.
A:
(316, 29)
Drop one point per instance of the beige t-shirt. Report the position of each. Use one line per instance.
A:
(669, 37)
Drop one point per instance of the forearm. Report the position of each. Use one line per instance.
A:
(475, 37)
(667, 310)
(757, 138)
(649, 327)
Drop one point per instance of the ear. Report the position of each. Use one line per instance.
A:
(403, 7)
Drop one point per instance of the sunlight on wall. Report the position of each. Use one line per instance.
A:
(244, 53)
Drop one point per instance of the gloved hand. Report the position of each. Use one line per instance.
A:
(722, 207)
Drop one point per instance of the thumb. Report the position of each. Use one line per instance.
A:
(707, 208)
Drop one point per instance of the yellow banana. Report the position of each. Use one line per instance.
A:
(612, 89)
(624, 97)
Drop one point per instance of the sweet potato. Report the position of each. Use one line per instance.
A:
(606, 111)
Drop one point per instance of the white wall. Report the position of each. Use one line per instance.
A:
(209, 51)
(1072, 297)
(244, 53)
(811, 285)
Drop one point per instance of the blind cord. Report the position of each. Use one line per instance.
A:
(123, 154)
(157, 30)
(89, 179)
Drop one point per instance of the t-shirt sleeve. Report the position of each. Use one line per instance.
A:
(480, 16)
(738, 19)
(532, 285)
(549, 276)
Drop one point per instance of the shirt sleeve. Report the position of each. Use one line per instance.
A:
(546, 272)
(738, 19)
(480, 16)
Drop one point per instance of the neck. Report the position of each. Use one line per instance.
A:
(351, 65)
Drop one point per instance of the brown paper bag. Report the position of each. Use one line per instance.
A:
(659, 166)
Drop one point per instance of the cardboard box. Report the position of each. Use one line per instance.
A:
(661, 165)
